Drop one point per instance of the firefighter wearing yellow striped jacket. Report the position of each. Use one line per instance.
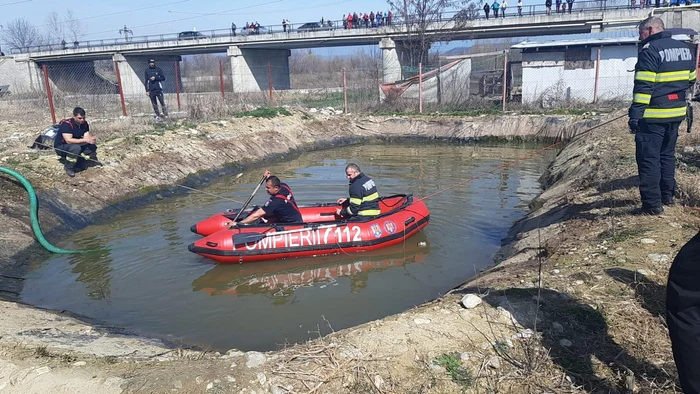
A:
(665, 70)
(364, 198)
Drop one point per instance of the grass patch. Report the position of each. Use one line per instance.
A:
(617, 236)
(267, 113)
(460, 375)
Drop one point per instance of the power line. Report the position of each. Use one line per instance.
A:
(16, 2)
(116, 13)
(194, 17)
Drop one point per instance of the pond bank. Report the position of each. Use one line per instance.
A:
(410, 351)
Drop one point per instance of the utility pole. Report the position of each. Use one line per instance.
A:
(125, 31)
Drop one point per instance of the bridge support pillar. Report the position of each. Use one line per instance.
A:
(21, 75)
(132, 73)
(391, 65)
(251, 69)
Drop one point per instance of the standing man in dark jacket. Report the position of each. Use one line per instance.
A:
(154, 88)
(364, 198)
(74, 143)
(683, 314)
(665, 70)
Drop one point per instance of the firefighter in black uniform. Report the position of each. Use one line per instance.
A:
(665, 70)
(281, 204)
(74, 143)
(683, 314)
(154, 88)
(364, 198)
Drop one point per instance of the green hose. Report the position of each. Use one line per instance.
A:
(33, 213)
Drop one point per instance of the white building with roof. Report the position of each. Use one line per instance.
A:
(561, 72)
(564, 71)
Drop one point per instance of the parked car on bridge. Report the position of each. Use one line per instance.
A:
(314, 26)
(190, 35)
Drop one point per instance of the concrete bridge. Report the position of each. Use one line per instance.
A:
(250, 54)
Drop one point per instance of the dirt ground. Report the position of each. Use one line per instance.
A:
(574, 305)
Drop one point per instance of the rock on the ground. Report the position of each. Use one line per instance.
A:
(255, 359)
(647, 241)
(658, 257)
(464, 356)
(420, 321)
(565, 343)
(527, 333)
(644, 272)
(42, 370)
(557, 327)
(494, 362)
(79, 363)
(262, 379)
(470, 301)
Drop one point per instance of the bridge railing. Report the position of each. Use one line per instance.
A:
(512, 11)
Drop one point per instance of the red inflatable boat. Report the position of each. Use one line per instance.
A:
(402, 216)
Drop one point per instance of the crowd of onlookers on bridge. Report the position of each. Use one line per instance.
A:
(378, 19)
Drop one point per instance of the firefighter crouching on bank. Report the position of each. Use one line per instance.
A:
(75, 144)
(664, 72)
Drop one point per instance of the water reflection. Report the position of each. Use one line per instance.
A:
(93, 268)
(280, 279)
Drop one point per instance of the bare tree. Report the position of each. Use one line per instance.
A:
(424, 19)
(20, 33)
(74, 26)
(55, 28)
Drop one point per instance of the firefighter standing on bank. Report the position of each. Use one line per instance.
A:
(665, 70)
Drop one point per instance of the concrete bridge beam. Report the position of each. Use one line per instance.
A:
(391, 65)
(21, 74)
(251, 69)
(132, 70)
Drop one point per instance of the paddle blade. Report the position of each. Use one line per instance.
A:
(244, 238)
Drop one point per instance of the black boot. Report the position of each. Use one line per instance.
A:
(70, 172)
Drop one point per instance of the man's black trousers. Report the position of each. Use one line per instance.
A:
(683, 314)
(656, 162)
(158, 94)
(76, 154)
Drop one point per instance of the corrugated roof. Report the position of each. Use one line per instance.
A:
(581, 42)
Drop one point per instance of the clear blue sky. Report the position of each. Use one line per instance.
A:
(103, 19)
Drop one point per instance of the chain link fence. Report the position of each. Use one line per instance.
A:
(212, 86)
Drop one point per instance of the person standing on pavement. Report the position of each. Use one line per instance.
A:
(520, 7)
(664, 72)
(154, 88)
(487, 9)
(504, 5)
(495, 7)
(233, 28)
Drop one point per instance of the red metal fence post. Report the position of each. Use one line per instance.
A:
(269, 77)
(48, 93)
(121, 88)
(345, 91)
(420, 87)
(221, 78)
(177, 83)
(597, 77)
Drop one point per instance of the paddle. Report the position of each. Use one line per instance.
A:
(244, 238)
(249, 199)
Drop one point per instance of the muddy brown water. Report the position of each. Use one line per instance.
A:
(144, 279)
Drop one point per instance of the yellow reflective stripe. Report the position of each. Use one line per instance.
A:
(355, 201)
(371, 197)
(647, 76)
(672, 76)
(641, 98)
(71, 160)
(662, 113)
(693, 75)
(369, 212)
